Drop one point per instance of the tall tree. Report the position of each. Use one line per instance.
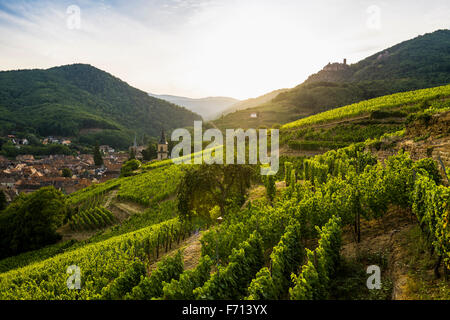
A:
(30, 221)
(150, 153)
(98, 159)
(205, 186)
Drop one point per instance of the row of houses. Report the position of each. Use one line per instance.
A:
(49, 140)
(27, 174)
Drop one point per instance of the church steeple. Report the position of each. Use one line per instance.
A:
(163, 140)
(163, 147)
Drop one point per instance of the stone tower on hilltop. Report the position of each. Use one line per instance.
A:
(163, 147)
(336, 66)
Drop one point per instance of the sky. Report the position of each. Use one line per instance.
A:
(199, 48)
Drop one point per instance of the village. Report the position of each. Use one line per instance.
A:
(68, 173)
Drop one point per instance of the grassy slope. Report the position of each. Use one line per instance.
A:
(363, 120)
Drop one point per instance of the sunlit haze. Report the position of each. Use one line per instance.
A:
(200, 48)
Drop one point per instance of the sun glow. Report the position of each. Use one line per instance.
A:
(198, 48)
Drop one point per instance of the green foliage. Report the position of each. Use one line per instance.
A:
(287, 172)
(152, 287)
(118, 139)
(98, 159)
(430, 203)
(30, 221)
(34, 256)
(383, 114)
(102, 262)
(293, 179)
(285, 257)
(152, 186)
(314, 279)
(73, 99)
(377, 104)
(183, 288)
(91, 219)
(126, 281)
(429, 165)
(262, 287)
(9, 150)
(129, 166)
(270, 187)
(205, 186)
(400, 178)
(338, 187)
(66, 172)
(231, 282)
(315, 145)
(372, 184)
(150, 153)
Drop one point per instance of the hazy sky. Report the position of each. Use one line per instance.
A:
(196, 48)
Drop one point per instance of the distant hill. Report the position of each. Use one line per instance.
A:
(208, 108)
(84, 102)
(253, 102)
(421, 62)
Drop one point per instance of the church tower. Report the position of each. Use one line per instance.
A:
(163, 147)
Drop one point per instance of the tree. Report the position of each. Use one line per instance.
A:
(30, 221)
(66, 173)
(129, 166)
(98, 159)
(205, 186)
(150, 153)
(3, 202)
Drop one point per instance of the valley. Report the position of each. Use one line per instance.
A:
(343, 192)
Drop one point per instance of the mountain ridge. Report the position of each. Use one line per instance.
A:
(421, 62)
(64, 100)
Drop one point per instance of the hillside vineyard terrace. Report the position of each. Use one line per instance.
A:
(213, 153)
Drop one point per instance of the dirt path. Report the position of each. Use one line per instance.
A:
(384, 238)
(191, 248)
(131, 208)
(110, 197)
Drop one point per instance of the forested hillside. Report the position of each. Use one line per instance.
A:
(421, 62)
(82, 101)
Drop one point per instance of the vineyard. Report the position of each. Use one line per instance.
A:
(371, 119)
(286, 242)
(286, 249)
(376, 104)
